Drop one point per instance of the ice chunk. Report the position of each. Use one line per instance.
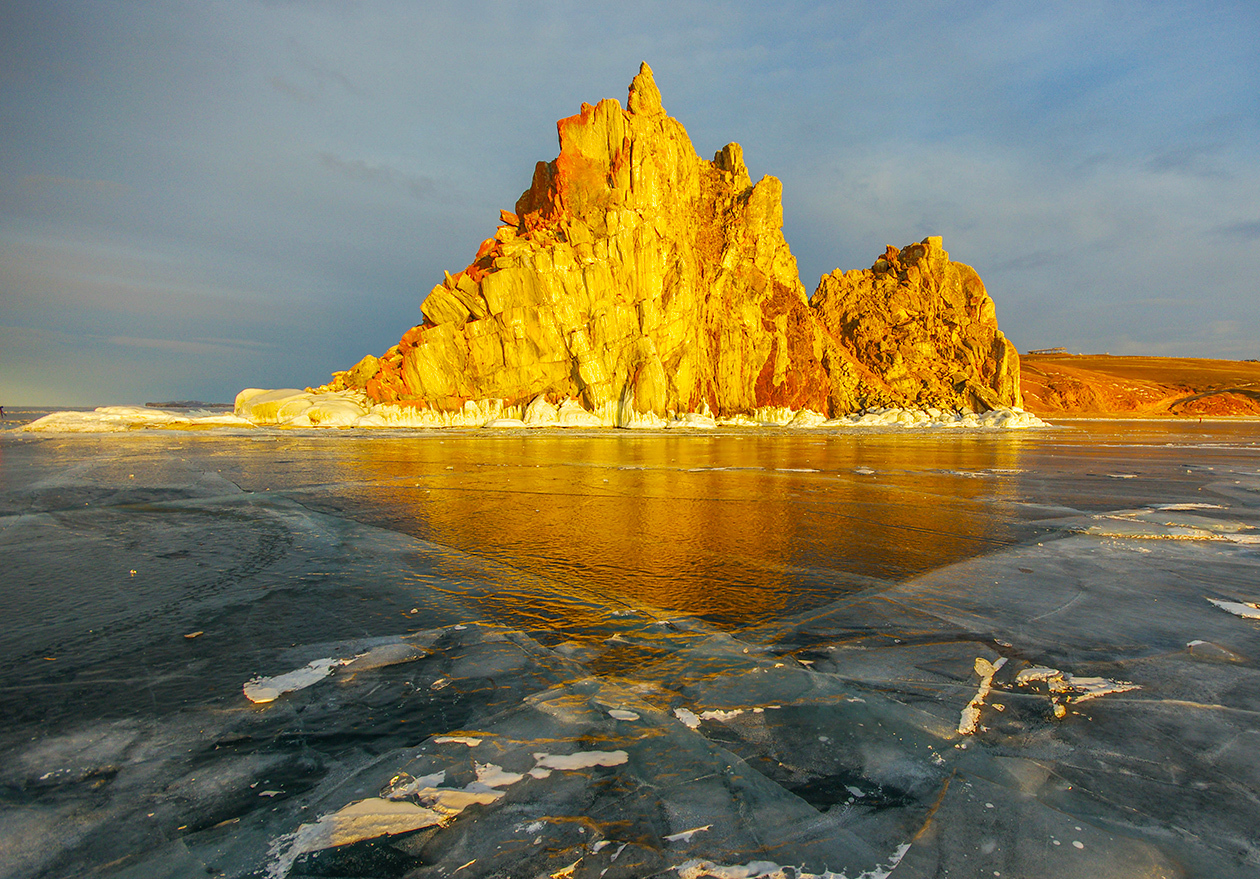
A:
(571, 414)
(581, 760)
(807, 418)
(685, 835)
(694, 421)
(540, 413)
(365, 819)
(260, 690)
(117, 419)
(470, 741)
(969, 721)
(1248, 610)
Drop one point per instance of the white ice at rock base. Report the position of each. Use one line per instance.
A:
(117, 419)
(293, 408)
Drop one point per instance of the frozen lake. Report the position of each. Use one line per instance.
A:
(624, 654)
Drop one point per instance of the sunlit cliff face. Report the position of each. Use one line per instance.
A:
(736, 529)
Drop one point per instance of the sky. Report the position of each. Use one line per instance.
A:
(198, 197)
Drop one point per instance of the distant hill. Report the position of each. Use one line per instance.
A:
(188, 404)
(1139, 387)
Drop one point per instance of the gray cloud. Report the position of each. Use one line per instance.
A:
(361, 169)
(1246, 230)
(191, 346)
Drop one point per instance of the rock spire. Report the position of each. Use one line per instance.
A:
(639, 280)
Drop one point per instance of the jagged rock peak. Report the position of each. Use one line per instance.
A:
(644, 96)
(638, 280)
(925, 326)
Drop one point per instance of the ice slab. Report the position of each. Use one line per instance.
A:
(261, 690)
(1248, 610)
(365, 819)
(116, 419)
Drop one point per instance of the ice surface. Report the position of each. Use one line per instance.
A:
(684, 654)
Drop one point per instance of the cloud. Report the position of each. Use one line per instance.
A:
(101, 187)
(1247, 230)
(198, 347)
(289, 90)
(419, 187)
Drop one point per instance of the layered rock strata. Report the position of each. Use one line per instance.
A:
(640, 282)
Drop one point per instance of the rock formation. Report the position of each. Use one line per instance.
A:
(641, 281)
(1140, 387)
(924, 326)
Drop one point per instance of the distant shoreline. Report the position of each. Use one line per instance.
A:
(1060, 386)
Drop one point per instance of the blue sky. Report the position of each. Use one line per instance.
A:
(199, 197)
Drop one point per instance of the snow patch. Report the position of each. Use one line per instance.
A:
(493, 775)
(685, 835)
(969, 721)
(687, 717)
(700, 869)
(722, 716)
(261, 690)
(1067, 687)
(580, 760)
(365, 819)
(1248, 610)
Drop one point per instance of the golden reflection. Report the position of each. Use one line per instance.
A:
(735, 528)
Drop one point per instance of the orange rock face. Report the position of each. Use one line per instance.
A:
(924, 328)
(641, 280)
(1140, 387)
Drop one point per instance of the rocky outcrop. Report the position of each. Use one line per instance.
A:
(926, 329)
(1100, 385)
(641, 281)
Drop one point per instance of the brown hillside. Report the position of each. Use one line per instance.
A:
(1139, 387)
